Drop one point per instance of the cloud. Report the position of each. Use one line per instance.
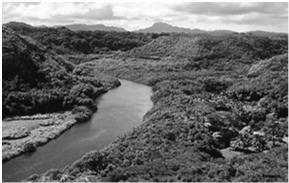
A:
(95, 14)
(258, 20)
(242, 16)
(233, 8)
(57, 12)
(132, 16)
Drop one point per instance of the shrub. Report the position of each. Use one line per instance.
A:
(116, 176)
(82, 113)
(216, 85)
(282, 110)
(170, 136)
(29, 147)
(246, 92)
(92, 161)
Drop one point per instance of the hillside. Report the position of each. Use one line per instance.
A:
(220, 113)
(160, 27)
(29, 62)
(220, 102)
(65, 41)
(275, 35)
(205, 125)
(200, 47)
(36, 80)
(96, 27)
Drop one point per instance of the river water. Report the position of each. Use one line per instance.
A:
(118, 112)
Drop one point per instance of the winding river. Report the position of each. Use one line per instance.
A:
(119, 111)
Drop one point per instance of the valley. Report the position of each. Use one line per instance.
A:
(219, 101)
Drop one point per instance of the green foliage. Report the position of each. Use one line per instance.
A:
(29, 147)
(267, 167)
(65, 41)
(92, 161)
(246, 92)
(33, 101)
(39, 81)
(82, 113)
(206, 89)
(116, 176)
(216, 86)
(194, 115)
(215, 48)
(229, 100)
(170, 136)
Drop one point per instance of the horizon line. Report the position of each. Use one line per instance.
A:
(64, 25)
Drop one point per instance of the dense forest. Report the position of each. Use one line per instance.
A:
(64, 41)
(35, 80)
(198, 114)
(211, 94)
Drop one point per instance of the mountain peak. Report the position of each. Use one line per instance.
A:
(160, 27)
(161, 24)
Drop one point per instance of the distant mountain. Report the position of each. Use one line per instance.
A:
(161, 27)
(96, 27)
(62, 40)
(276, 35)
(29, 30)
(167, 28)
(221, 32)
(19, 26)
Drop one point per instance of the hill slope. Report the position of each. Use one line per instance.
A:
(96, 27)
(65, 41)
(160, 27)
(200, 47)
(213, 96)
(205, 126)
(36, 80)
(29, 62)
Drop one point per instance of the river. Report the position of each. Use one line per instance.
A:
(119, 110)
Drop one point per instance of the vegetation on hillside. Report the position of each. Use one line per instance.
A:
(205, 47)
(210, 94)
(35, 80)
(64, 41)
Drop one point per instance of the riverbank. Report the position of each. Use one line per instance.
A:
(24, 134)
(195, 115)
(119, 111)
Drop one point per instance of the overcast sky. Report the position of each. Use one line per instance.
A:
(132, 16)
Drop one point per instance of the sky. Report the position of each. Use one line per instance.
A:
(239, 17)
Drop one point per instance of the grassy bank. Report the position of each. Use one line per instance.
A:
(24, 134)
